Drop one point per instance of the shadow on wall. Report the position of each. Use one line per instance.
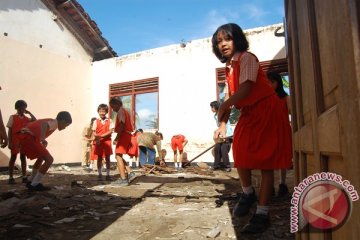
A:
(24, 5)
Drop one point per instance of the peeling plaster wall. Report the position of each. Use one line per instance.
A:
(50, 79)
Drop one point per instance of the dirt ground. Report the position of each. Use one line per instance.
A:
(181, 205)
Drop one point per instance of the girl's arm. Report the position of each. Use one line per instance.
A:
(44, 129)
(225, 108)
(10, 137)
(185, 142)
(119, 132)
(33, 118)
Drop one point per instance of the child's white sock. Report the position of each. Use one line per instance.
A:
(91, 166)
(33, 174)
(248, 190)
(176, 165)
(262, 209)
(37, 179)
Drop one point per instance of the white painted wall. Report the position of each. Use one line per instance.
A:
(51, 79)
(187, 82)
(31, 22)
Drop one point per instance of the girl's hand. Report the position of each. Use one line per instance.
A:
(220, 132)
(44, 143)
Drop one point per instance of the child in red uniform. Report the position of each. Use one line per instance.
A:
(102, 129)
(277, 84)
(33, 144)
(123, 130)
(178, 142)
(261, 138)
(15, 124)
(134, 147)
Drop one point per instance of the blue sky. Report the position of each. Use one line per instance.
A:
(136, 25)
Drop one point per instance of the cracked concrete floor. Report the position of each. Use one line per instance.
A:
(171, 206)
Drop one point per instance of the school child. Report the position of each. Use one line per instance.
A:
(133, 151)
(277, 84)
(102, 130)
(33, 144)
(147, 142)
(3, 136)
(15, 124)
(87, 139)
(261, 140)
(123, 130)
(178, 143)
(221, 149)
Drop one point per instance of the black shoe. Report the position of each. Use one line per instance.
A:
(283, 190)
(24, 180)
(11, 181)
(28, 184)
(39, 187)
(242, 207)
(257, 224)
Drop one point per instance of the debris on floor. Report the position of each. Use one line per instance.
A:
(194, 203)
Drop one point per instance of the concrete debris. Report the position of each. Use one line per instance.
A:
(213, 233)
(157, 205)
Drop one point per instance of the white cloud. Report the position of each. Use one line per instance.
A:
(144, 113)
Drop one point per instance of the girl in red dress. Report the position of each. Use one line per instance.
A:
(277, 84)
(261, 137)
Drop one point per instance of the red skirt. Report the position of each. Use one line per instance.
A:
(32, 147)
(262, 137)
(123, 144)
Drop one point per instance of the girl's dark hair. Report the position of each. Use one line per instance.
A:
(157, 133)
(20, 104)
(275, 77)
(103, 106)
(215, 104)
(92, 121)
(139, 130)
(235, 33)
(64, 116)
(115, 101)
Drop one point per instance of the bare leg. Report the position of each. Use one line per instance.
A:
(23, 164)
(121, 165)
(245, 176)
(180, 158)
(12, 165)
(48, 160)
(267, 183)
(99, 164)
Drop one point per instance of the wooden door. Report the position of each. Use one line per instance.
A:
(324, 70)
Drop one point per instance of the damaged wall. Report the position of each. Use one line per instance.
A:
(187, 81)
(42, 63)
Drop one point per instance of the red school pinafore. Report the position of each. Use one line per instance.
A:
(124, 141)
(103, 147)
(18, 123)
(261, 138)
